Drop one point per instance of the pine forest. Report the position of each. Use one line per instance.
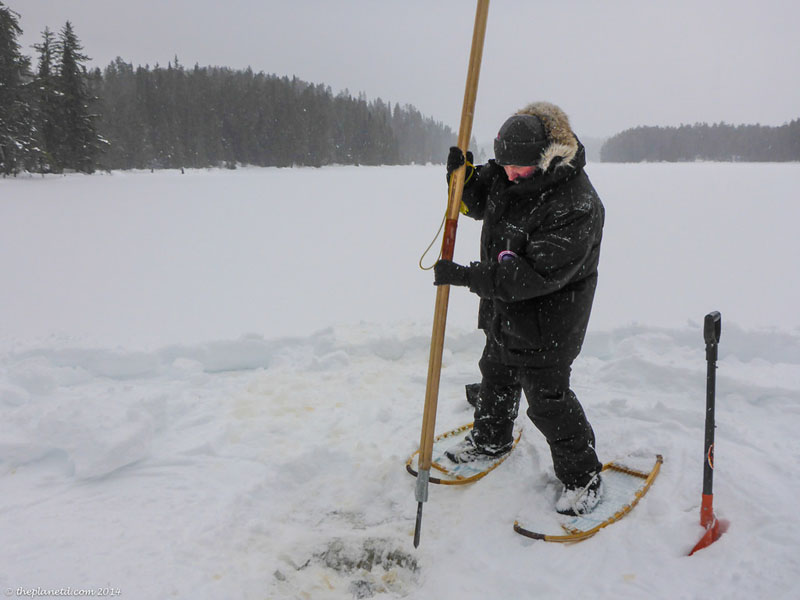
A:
(56, 115)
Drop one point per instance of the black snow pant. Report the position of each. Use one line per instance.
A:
(552, 407)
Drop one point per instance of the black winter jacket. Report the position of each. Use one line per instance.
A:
(535, 306)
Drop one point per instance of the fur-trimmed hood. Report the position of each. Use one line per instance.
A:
(563, 142)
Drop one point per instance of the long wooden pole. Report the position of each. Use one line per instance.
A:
(448, 246)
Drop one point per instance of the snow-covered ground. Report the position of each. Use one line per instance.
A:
(210, 383)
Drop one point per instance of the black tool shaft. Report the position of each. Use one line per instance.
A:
(418, 528)
(711, 332)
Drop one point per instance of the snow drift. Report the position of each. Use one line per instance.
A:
(209, 385)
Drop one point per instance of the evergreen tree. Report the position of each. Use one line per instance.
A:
(78, 144)
(46, 99)
(17, 143)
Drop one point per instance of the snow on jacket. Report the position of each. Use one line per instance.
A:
(535, 306)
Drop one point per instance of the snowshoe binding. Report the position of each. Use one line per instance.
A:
(580, 500)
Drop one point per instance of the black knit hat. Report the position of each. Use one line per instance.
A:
(521, 140)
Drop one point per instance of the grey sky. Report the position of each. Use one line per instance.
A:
(610, 64)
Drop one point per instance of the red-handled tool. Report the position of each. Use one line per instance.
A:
(714, 527)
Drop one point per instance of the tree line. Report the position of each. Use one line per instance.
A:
(201, 116)
(60, 116)
(719, 142)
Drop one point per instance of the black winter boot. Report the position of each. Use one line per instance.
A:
(467, 451)
(581, 500)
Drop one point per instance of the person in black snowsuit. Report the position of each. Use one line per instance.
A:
(536, 279)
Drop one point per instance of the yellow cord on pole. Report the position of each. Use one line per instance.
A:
(444, 218)
(433, 241)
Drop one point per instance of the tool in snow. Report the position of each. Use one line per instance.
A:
(448, 245)
(714, 527)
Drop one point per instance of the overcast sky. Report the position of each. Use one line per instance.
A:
(610, 64)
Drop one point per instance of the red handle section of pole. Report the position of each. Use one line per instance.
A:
(449, 241)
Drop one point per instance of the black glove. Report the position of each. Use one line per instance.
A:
(455, 159)
(446, 272)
